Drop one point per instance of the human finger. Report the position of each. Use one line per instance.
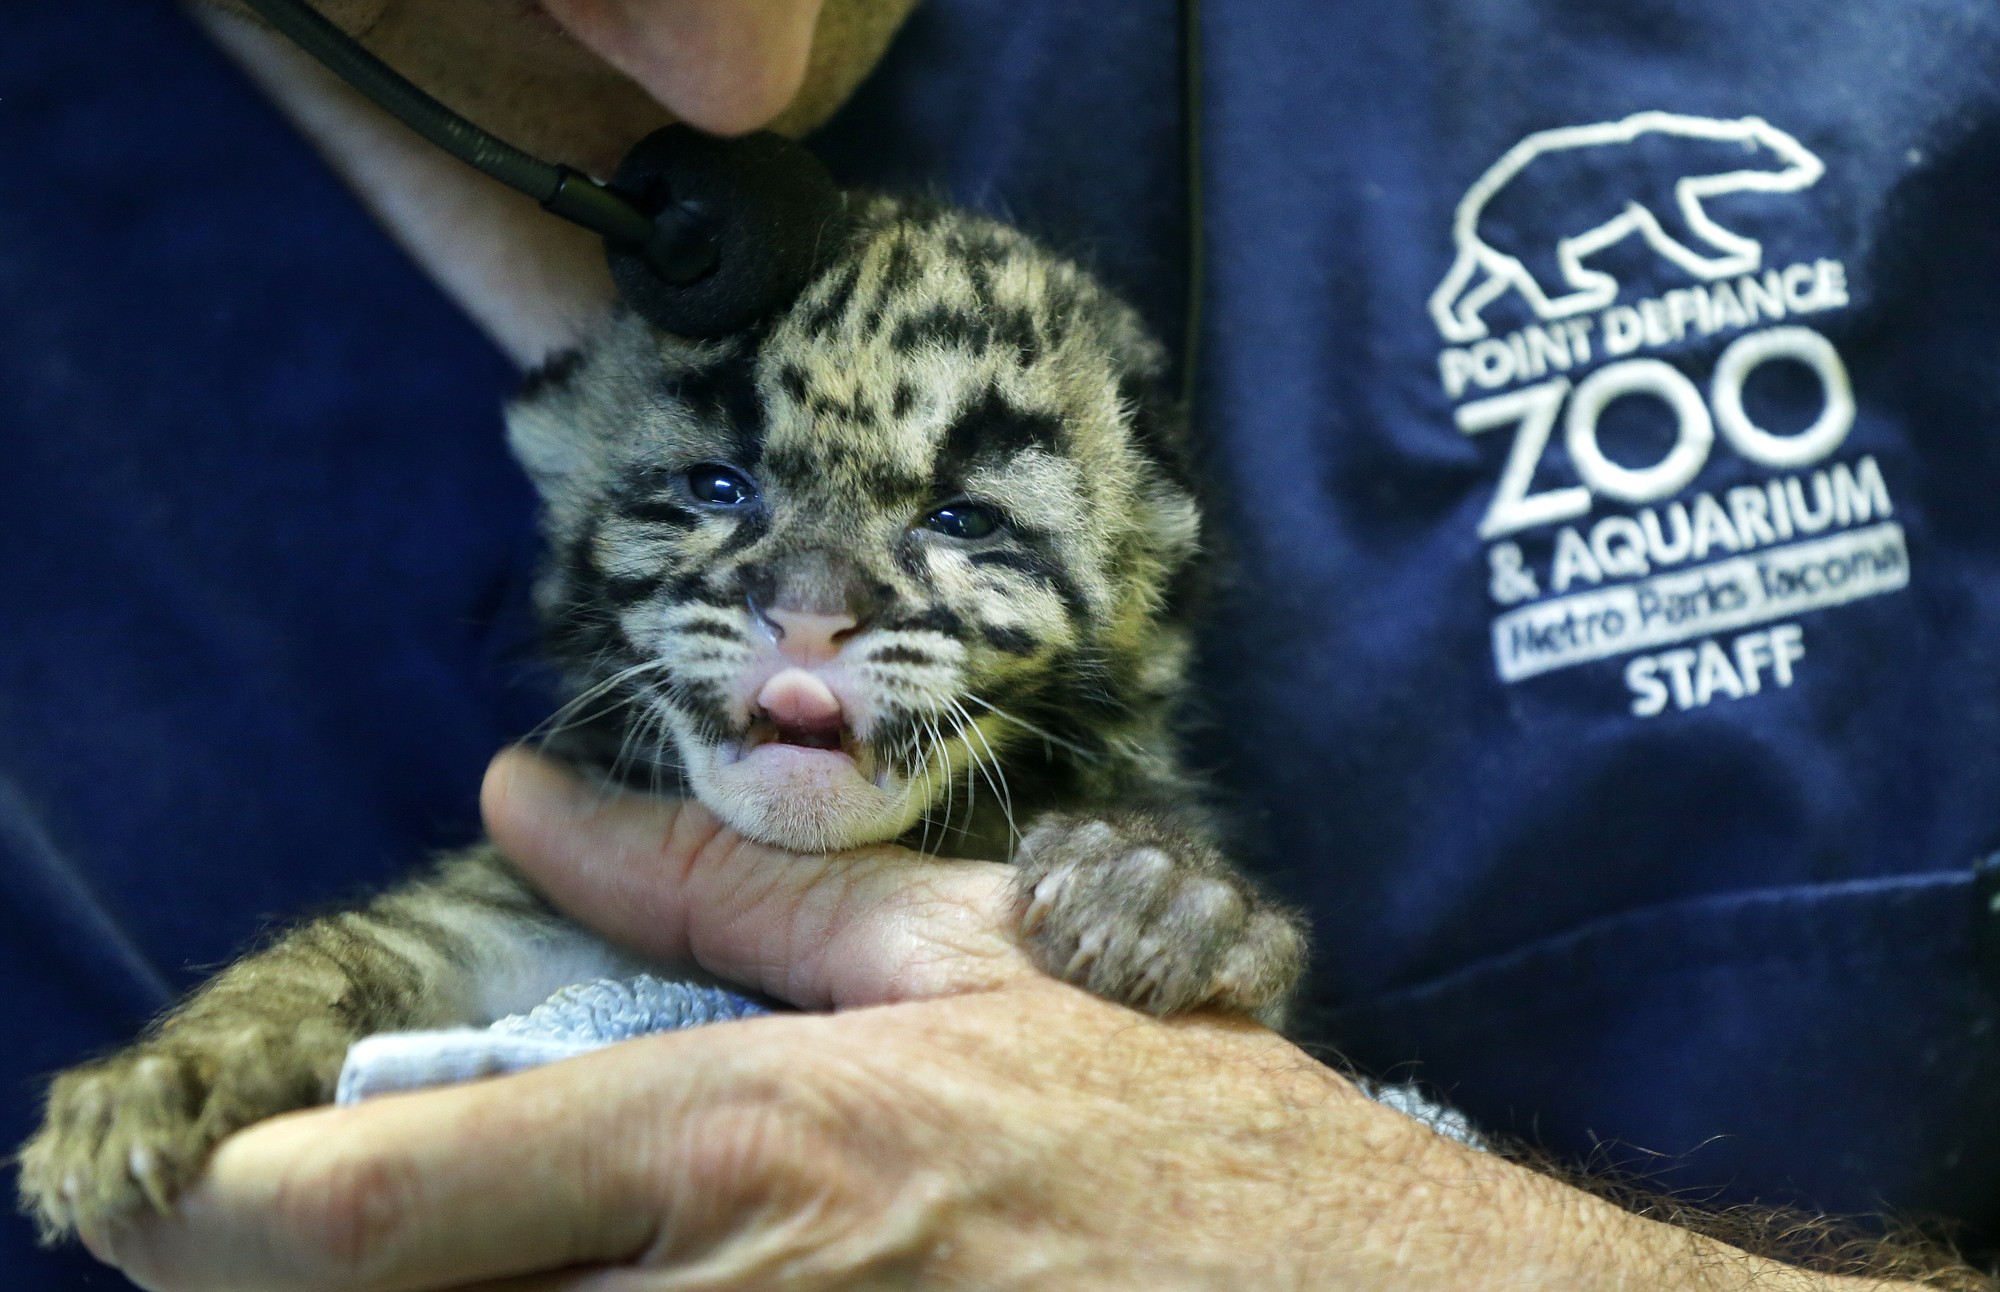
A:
(725, 66)
(665, 878)
(548, 1170)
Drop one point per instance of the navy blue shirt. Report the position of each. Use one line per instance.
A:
(1598, 410)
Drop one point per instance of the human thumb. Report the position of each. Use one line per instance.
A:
(665, 878)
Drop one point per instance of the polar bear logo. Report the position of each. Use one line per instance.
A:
(1560, 196)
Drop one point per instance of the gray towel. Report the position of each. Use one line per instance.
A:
(582, 1017)
(588, 1016)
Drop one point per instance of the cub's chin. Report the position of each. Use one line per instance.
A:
(804, 797)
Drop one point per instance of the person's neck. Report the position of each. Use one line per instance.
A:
(532, 282)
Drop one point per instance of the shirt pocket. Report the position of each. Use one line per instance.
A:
(1828, 1045)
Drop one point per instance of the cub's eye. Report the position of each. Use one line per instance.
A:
(962, 520)
(722, 486)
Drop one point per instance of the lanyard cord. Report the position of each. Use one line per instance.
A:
(561, 190)
(672, 244)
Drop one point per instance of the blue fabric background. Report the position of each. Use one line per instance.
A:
(262, 550)
(263, 576)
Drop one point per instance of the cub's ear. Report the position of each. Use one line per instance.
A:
(548, 425)
(1157, 422)
(1169, 511)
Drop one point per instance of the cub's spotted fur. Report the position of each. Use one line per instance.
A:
(904, 564)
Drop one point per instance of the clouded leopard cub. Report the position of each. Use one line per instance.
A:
(901, 565)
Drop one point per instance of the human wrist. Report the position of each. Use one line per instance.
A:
(1380, 1200)
(1457, 1216)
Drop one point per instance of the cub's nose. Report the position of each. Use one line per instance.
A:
(808, 638)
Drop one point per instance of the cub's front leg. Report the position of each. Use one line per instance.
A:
(1140, 907)
(269, 1033)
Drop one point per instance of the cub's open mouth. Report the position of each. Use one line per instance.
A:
(797, 724)
(810, 740)
(816, 735)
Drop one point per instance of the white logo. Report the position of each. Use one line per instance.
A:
(1610, 174)
(1706, 586)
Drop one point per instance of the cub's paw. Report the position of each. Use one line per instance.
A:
(1148, 916)
(132, 1130)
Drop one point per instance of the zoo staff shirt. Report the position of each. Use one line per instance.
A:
(1600, 422)
(1605, 396)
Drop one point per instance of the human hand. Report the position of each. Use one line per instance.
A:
(963, 1122)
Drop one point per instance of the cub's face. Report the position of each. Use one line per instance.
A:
(854, 571)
